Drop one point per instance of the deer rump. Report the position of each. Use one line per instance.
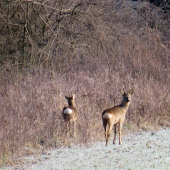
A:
(67, 113)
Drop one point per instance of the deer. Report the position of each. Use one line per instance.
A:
(115, 115)
(70, 113)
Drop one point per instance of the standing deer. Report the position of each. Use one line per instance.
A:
(116, 115)
(70, 113)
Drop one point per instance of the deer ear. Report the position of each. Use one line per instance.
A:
(131, 91)
(66, 97)
(73, 96)
(122, 92)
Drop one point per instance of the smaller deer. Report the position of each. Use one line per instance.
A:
(116, 115)
(70, 113)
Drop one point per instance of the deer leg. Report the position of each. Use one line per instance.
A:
(108, 133)
(107, 138)
(105, 130)
(68, 128)
(120, 128)
(74, 129)
(114, 133)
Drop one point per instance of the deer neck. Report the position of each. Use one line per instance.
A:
(125, 105)
(71, 103)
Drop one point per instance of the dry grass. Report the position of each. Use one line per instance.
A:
(127, 54)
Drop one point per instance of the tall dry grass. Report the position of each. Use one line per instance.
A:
(127, 53)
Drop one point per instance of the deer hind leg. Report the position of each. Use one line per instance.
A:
(74, 129)
(105, 128)
(68, 128)
(108, 133)
(114, 133)
(120, 128)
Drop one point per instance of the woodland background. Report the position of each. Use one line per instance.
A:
(92, 48)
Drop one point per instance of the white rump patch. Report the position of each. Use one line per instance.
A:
(67, 111)
(107, 116)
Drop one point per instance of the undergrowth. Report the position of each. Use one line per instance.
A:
(98, 49)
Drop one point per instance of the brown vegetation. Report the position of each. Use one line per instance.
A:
(52, 48)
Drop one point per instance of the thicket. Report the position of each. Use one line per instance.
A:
(49, 49)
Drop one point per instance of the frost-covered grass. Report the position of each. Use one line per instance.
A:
(149, 150)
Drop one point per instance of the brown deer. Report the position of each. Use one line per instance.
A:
(70, 113)
(116, 115)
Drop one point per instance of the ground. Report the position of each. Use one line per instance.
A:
(148, 150)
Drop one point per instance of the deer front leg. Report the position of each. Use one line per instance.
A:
(114, 134)
(120, 128)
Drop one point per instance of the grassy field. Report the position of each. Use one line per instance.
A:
(92, 49)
